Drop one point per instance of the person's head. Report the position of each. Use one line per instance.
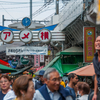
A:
(12, 80)
(97, 43)
(41, 73)
(52, 79)
(73, 78)
(30, 73)
(5, 82)
(66, 81)
(61, 79)
(23, 87)
(83, 88)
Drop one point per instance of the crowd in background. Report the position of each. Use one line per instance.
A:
(48, 86)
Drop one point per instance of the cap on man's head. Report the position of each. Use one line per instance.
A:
(41, 72)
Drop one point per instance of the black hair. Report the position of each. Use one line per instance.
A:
(65, 80)
(71, 75)
(30, 71)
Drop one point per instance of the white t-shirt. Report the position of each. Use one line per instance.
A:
(10, 95)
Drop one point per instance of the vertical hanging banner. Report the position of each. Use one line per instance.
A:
(89, 40)
(36, 60)
(98, 12)
(41, 58)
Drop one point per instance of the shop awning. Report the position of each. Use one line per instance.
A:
(5, 69)
(85, 71)
(4, 63)
(55, 63)
(21, 71)
(2, 28)
(72, 51)
(48, 27)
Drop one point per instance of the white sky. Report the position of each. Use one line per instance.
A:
(18, 9)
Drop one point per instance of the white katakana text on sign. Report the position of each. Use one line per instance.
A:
(7, 35)
(25, 36)
(44, 35)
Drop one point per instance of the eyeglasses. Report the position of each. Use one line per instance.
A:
(55, 79)
(3, 81)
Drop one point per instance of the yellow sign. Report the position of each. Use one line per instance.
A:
(98, 13)
(89, 39)
(49, 52)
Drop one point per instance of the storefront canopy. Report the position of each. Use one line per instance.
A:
(5, 69)
(84, 71)
(2, 28)
(55, 63)
(72, 51)
(21, 71)
(4, 63)
(48, 27)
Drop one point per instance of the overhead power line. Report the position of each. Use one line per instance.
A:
(41, 9)
(62, 7)
(17, 3)
(7, 11)
(20, 7)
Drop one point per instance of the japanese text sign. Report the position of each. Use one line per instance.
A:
(41, 58)
(44, 35)
(27, 50)
(36, 60)
(7, 35)
(26, 36)
(89, 40)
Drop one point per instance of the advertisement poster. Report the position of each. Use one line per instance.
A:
(89, 40)
(36, 60)
(41, 58)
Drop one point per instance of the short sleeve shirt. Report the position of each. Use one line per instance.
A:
(71, 90)
(97, 67)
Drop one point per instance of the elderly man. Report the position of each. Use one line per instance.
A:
(52, 90)
(96, 62)
(5, 86)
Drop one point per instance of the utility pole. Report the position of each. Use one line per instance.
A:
(31, 10)
(2, 20)
(57, 7)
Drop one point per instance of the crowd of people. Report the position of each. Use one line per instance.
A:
(50, 86)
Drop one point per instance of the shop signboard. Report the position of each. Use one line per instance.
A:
(98, 12)
(14, 62)
(24, 61)
(25, 36)
(41, 58)
(89, 40)
(36, 60)
(44, 35)
(27, 50)
(10, 62)
(7, 36)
